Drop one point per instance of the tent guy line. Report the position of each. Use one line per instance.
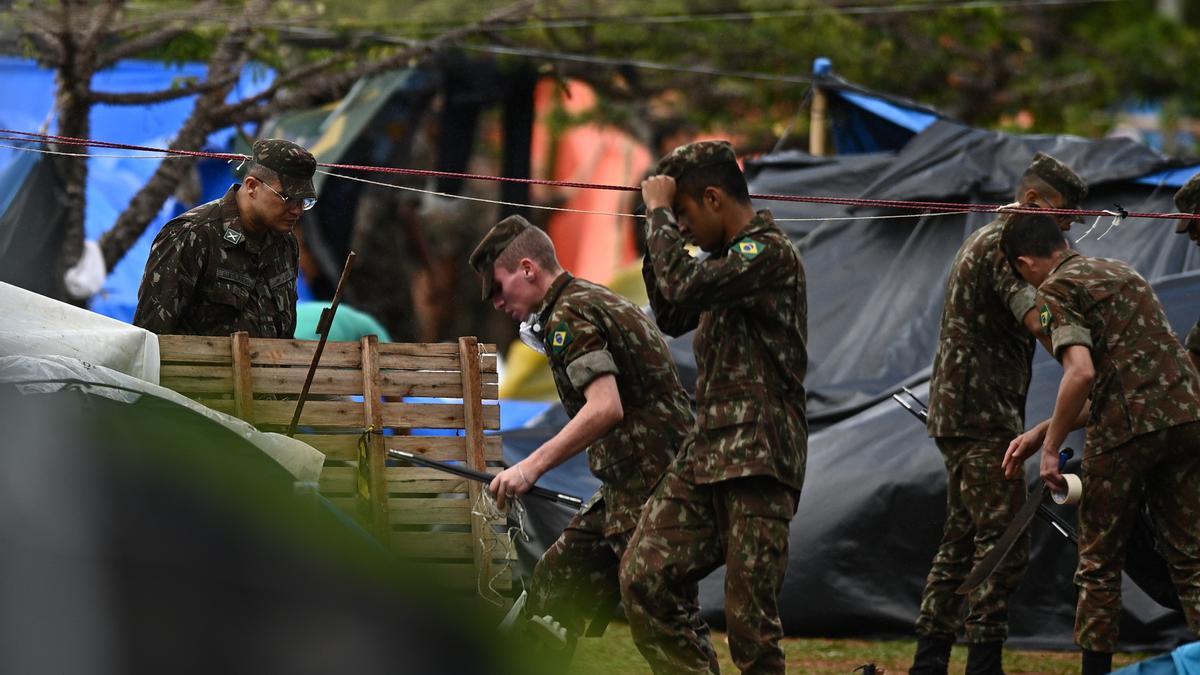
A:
(7, 135)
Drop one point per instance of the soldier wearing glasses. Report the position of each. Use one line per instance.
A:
(230, 265)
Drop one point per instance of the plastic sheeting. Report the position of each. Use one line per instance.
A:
(299, 459)
(36, 325)
(875, 287)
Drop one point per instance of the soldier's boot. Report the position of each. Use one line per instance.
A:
(984, 658)
(1096, 663)
(933, 656)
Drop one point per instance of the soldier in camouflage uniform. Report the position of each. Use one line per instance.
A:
(977, 404)
(617, 381)
(1109, 331)
(730, 495)
(1187, 200)
(230, 265)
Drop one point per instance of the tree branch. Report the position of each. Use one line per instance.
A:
(149, 97)
(178, 24)
(275, 99)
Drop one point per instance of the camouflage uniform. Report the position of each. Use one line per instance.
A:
(731, 493)
(1143, 436)
(976, 405)
(1187, 200)
(588, 332)
(207, 275)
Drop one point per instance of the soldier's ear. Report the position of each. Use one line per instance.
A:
(713, 198)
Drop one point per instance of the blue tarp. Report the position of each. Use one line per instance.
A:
(113, 176)
(863, 123)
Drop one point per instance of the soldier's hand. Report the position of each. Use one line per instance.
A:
(1050, 472)
(658, 192)
(1020, 449)
(509, 483)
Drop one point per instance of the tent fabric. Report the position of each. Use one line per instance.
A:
(141, 538)
(876, 286)
(31, 222)
(299, 459)
(35, 325)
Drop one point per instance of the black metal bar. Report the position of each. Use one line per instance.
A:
(481, 476)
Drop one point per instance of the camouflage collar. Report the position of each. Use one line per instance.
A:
(552, 293)
(1070, 254)
(762, 221)
(233, 232)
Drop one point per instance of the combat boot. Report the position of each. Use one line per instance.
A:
(933, 656)
(984, 658)
(1096, 663)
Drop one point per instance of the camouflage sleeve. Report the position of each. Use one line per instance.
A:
(289, 323)
(1060, 318)
(579, 342)
(670, 317)
(177, 260)
(1193, 337)
(1019, 296)
(752, 264)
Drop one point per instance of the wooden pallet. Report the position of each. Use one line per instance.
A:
(423, 513)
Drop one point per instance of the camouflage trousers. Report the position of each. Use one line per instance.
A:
(578, 576)
(686, 531)
(980, 504)
(1163, 468)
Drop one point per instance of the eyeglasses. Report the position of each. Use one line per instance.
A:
(306, 203)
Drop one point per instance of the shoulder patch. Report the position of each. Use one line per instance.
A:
(560, 337)
(749, 248)
(1045, 318)
(233, 236)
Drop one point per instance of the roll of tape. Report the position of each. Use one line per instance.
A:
(1073, 493)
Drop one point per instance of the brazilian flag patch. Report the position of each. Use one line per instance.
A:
(749, 248)
(1046, 318)
(560, 337)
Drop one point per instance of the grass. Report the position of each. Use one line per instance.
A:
(616, 653)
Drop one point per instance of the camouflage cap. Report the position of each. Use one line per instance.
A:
(492, 245)
(294, 164)
(1060, 177)
(1187, 200)
(693, 156)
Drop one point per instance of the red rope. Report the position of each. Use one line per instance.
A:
(840, 201)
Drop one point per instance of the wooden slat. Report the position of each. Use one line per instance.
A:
(344, 479)
(401, 480)
(196, 378)
(200, 349)
(194, 349)
(290, 380)
(435, 416)
(220, 405)
(437, 511)
(274, 352)
(473, 426)
(344, 447)
(348, 414)
(433, 544)
(373, 412)
(243, 390)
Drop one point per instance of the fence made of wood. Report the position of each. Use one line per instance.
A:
(368, 397)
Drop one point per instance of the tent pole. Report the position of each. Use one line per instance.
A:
(816, 126)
